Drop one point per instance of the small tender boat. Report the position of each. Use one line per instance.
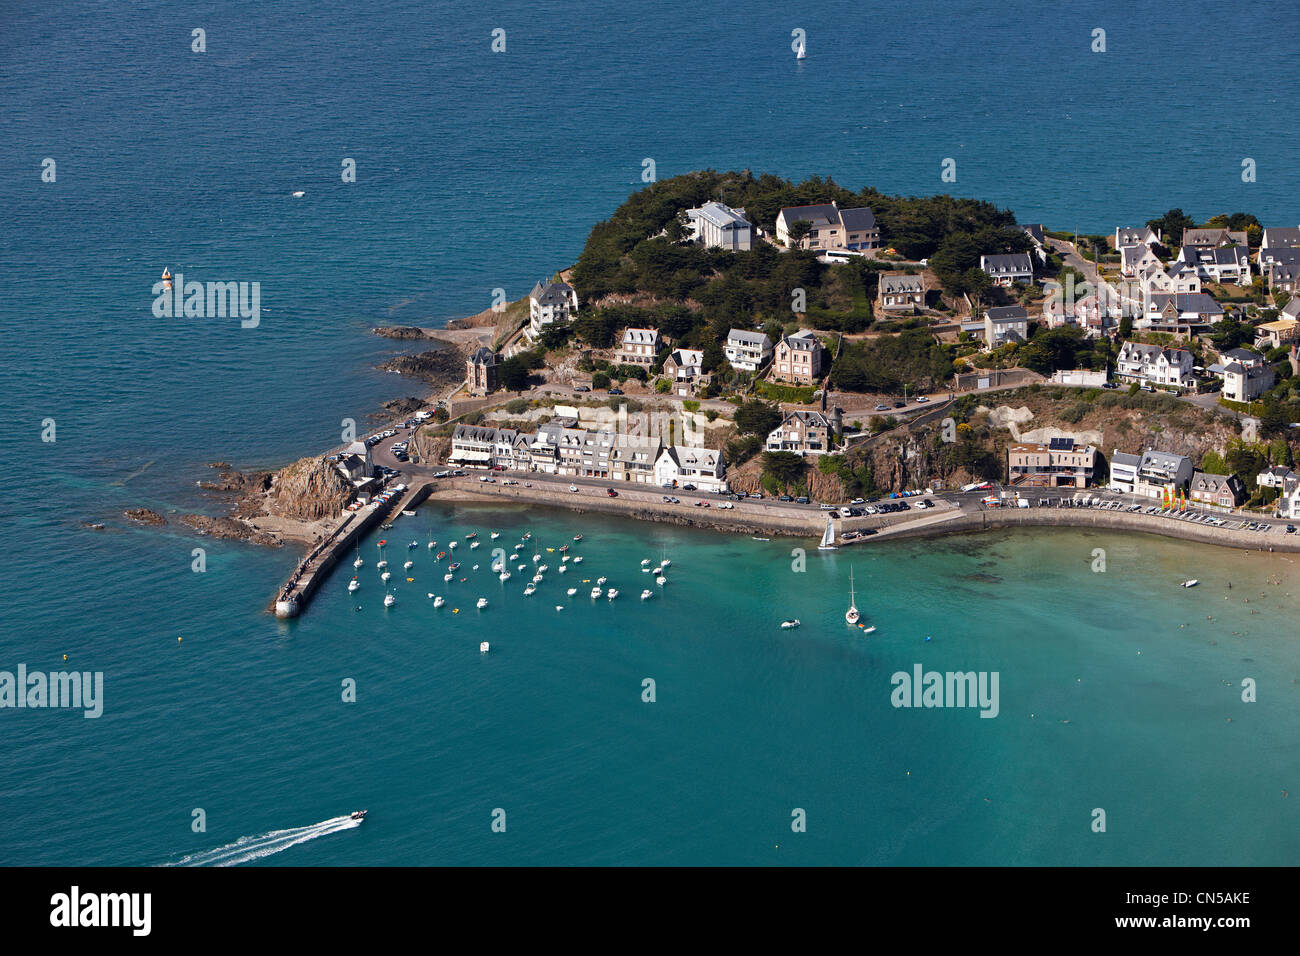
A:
(495, 535)
(528, 536)
(471, 536)
(612, 593)
(578, 560)
(359, 815)
(787, 625)
(571, 592)
(483, 647)
(409, 514)
(520, 567)
(474, 568)
(354, 584)
(757, 538)
(563, 548)
(577, 537)
(645, 570)
(647, 594)
(482, 603)
(869, 630)
(646, 562)
(1190, 583)
(595, 592)
(438, 602)
(473, 545)
(298, 194)
(519, 547)
(559, 607)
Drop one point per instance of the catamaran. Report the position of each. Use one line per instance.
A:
(828, 537)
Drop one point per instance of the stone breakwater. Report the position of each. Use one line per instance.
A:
(972, 521)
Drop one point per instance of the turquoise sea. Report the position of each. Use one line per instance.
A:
(478, 170)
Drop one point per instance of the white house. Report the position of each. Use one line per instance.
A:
(1138, 236)
(721, 227)
(1010, 268)
(1246, 375)
(1153, 365)
(638, 347)
(1274, 477)
(802, 432)
(1222, 264)
(682, 465)
(1151, 475)
(550, 302)
(1288, 503)
(1136, 259)
(1006, 323)
(747, 350)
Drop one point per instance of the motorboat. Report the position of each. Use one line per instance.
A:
(353, 584)
(1190, 583)
(473, 545)
(448, 577)
(537, 579)
(571, 592)
(563, 568)
(530, 590)
(869, 630)
(408, 565)
(661, 580)
(543, 568)
(471, 536)
(495, 535)
(385, 576)
(578, 560)
(482, 603)
(504, 575)
(595, 592)
(358, 815)
(601, 580)
(389, 600)
(453, 545)
(483, 647)
(646, 562)
(612, 593)
(577, 537)
(439, 602)
(454, 566)
(647, 594)
(788, 625)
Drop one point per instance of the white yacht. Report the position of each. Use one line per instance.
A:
(571, 592)
(389, 600)
(530, 590)
(612, 593)
(851, 615)
(385, 576)
(483, 647)
(647, 594)
(438, 602)
(482, 603)
(595, 592)
(354, 584)
(504, 575)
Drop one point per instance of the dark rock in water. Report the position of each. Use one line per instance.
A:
(228, 528)
(93, 525)
(403, 406)
(400, 332)
(309, 489)
(238, 482)
(145, 516)
(437, 367)
(219, 464)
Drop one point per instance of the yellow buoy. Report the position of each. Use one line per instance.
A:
(179, 639)
(65, 657)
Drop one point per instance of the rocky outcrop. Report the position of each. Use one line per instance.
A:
(145, 516)
(436, 367)
(401, 407)
(404, 332)
(228, 528)
(238, 482)
(307, 490)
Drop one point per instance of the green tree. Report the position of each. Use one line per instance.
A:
(756, 418)
(600, 380)
(663, 386)
(784, 467)
(798, 230)
(1212, 463)
(513, 374)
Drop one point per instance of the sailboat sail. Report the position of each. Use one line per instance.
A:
(828, 536)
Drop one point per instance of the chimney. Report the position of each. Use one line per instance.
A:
(839, 422)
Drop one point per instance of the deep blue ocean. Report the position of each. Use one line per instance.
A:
(477, 170)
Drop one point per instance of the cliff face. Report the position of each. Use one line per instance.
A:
(307, 490)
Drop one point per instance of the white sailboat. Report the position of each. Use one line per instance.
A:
(802, 54)
(851, 615)
(828, 537)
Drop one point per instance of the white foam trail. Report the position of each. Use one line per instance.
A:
(249, 848)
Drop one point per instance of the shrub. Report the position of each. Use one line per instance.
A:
(691, 405)
(517, 405)
(600, 380)
(663, 386)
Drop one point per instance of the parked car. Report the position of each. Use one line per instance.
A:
(688, 487)
(611, 492)
(573, 487)
(802, 500)
(899, 405)
(882, 408)
(582, 388)
(921, 399)
(616, 391)
(785, 498)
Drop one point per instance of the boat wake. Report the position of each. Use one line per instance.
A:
(249, 848)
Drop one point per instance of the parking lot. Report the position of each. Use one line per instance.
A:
(1191, 514)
